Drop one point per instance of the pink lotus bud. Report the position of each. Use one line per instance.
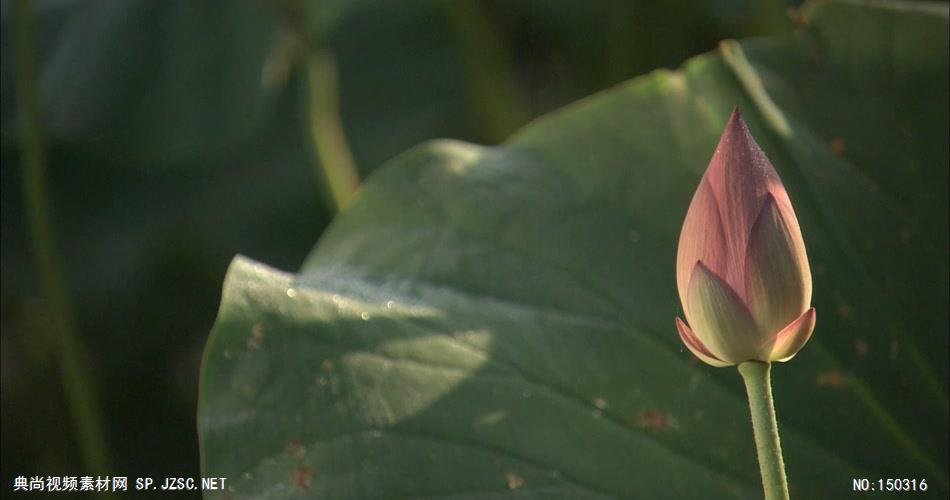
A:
(741, 269)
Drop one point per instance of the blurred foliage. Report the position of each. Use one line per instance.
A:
(169, 153)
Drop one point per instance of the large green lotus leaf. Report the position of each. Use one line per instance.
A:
(498, 322)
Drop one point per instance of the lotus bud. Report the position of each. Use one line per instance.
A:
(741, 268)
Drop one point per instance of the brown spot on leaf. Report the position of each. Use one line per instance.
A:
(796, 16)
(862, 347)
(257, 334)
(513, 480)
(302, 477)
(295, 450)
(838, 146)
(831, 378)
(844, 310)
(653, 420)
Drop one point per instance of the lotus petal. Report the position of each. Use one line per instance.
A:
(696, 346)
(701, 239)
(719, 318)
(777, 278)
(793, 337)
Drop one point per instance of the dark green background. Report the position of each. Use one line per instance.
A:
(167, 158)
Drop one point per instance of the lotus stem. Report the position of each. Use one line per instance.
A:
(78, 383)
(326, 127)
(758, 384)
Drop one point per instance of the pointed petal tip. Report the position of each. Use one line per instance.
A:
(793, 337)
(700, 265)
(736, 121)
(738, 151)
(736, 114)
(696, 346)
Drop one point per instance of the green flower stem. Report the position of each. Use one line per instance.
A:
(758, 384)
(77, 379)
(494, 94)
(326, 128)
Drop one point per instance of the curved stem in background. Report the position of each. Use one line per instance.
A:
(494, 94)
(758, 384)
(326, 127)
(81, 394)
(332, 161)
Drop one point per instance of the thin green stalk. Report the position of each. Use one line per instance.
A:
(758, 384)
(493, 90)
(77, 383)
(326, 128)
